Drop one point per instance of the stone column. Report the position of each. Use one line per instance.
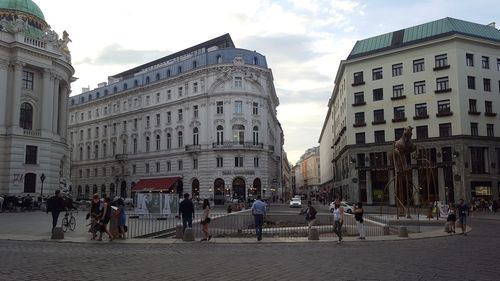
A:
(63, 111)
(16, 94)
(441, 189)
(55, 106)
(4, 71)
(416, 186)
(369, 188)
(392, 198)
(47, 100)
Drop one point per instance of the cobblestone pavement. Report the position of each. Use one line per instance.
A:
(447, 258)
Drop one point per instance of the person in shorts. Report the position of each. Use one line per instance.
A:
(451, 219)
(462, 215)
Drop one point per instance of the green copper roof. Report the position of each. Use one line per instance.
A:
(426, 31)
(26, 6)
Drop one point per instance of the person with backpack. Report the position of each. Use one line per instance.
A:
(358, 215)
(310, 214)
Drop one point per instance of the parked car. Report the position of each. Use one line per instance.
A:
(348, 207)
(296, 203)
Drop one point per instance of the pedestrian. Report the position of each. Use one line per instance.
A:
(310, 214)
(338, 219)
(94, 215)
(358, 215)
(451, 219)
(186, 209)
(104, 219)
(205, 220)
(121, 218)
(462, 215)
(258, 212)
(495, 206)
(55, 205)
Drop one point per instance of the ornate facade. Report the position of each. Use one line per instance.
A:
(206, 115)
(35, 77)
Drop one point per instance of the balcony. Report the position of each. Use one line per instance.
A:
(378, 122)
(358, 83)
(474, 112)
(398, 97)
(194, 147)
(437, 68)
(421, 116)
(121, 157)
(490, 114)
(359, 103)
(398, 119)
(360, 124)
(444, 113)
(447, 90)
(237, 145)
(32, 133)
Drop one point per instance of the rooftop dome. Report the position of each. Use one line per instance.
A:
(25, 6)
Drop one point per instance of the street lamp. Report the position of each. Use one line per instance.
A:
(42, 179)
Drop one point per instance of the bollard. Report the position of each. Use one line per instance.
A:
(57, 233)
(403, 232)
(178, 232)
(313, 234)
(387, 230)
(188, 235)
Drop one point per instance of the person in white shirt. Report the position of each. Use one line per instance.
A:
(338, 219)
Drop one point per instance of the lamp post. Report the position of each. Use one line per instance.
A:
(42, 179)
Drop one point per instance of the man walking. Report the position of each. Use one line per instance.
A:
(310, 214)
(258, 212)
(462, 215)
(55, 205)
(186, 209)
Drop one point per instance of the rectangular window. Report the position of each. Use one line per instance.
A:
(471, 82)
(498, 64)
(89, 133)
(473, 129)
(358, 77)
(180, 165)
(238, 161)
(27, 80)
(169, 94)
(238, 82)
(398, 133)
(360, 138)
(359, 118)
(418, 65)
(195, 111)
(195, 164)
(256, 162)
(148, 100)
(378, 115)
(469, 59)
(96, 132)
(157, 97)
(359, 98)
(95, 172)
(169, 117)
(419, 87)
(397, 91)
(255, 109)
(105, 130)
(421, 110)
(134, 169)
(479, 160)
(442, 84)
(441, 61)
(124, 125)
(104, 171)
(220, 107)
(179, 91)
(195, 87)
(444, 106)
(472, 105)
(158, 119)
(97, 112)
(378, 94)
(422, 132)
(147, 168)
(135, 124)
(399, 113)
(488, 107)
(179, 114)
(169, 166)
(148, 121)
(445, 130)
(485, 62)
(158, 167)
(31, 155)
(377, 73)
(82, 116)
(379, 136)
(490, 130)
(81, 135)
(220, 162)
(397, 69)
(89, 115)
(238, 107)
(487, 85)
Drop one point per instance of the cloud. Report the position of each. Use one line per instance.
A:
(116, 54)
(290, 97)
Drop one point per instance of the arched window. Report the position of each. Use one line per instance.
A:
(124, 146)
(219, 59)
(136, 83)
(103, 190)
(81, 153)
(147, 144)
(26, 118)
(96, 151)
(90, 96)
(239, 134)
(72, 101)
(255, 135)
(135, 145)
(195, 136)
(88, 152)
(168, 73)
(115, 89)
(158, 76)
(180, 139)
(97, 95)
(179, 69)
(255, 60)
(195, 64)
(105, 92)
(125, 86)
(158, 144)
(220, 135)
(147, 79)
(169, 141)
(113, 148)
(104, 150)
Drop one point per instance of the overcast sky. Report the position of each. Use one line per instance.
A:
(303, 40)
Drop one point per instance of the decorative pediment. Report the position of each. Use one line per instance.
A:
(96, 142)
(219, 121)
(239, 120)
(123, 136)
(134, 135)
(157, 131)
(179, 128)
(256, 122)
(195, 124)
(147, 134)
(168, 130)
(238, 60)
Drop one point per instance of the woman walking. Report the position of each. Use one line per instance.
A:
(205, 220)
(358, 215)
(338, 220)
(121, 218)
(106, 215)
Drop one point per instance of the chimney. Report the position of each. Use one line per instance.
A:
(102, 84)
(85, 89)
(492, 24)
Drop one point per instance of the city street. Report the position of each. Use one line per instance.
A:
(448, 258)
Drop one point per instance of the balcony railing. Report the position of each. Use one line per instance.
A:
(194, 147)
(121, 157)
(236, 144)
(32, 133)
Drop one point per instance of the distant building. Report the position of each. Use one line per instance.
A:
(443, 79)
(326, 157)
(35, 77)
(307, 173)
(202, 119)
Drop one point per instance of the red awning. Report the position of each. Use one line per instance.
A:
(158, 184)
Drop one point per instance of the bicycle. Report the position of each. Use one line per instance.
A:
(68, 223)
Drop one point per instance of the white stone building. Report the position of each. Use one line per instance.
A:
(35, 77)
(443, 79)
(204, 116)
(326, 156)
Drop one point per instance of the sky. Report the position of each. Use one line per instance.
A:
(303, 40)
